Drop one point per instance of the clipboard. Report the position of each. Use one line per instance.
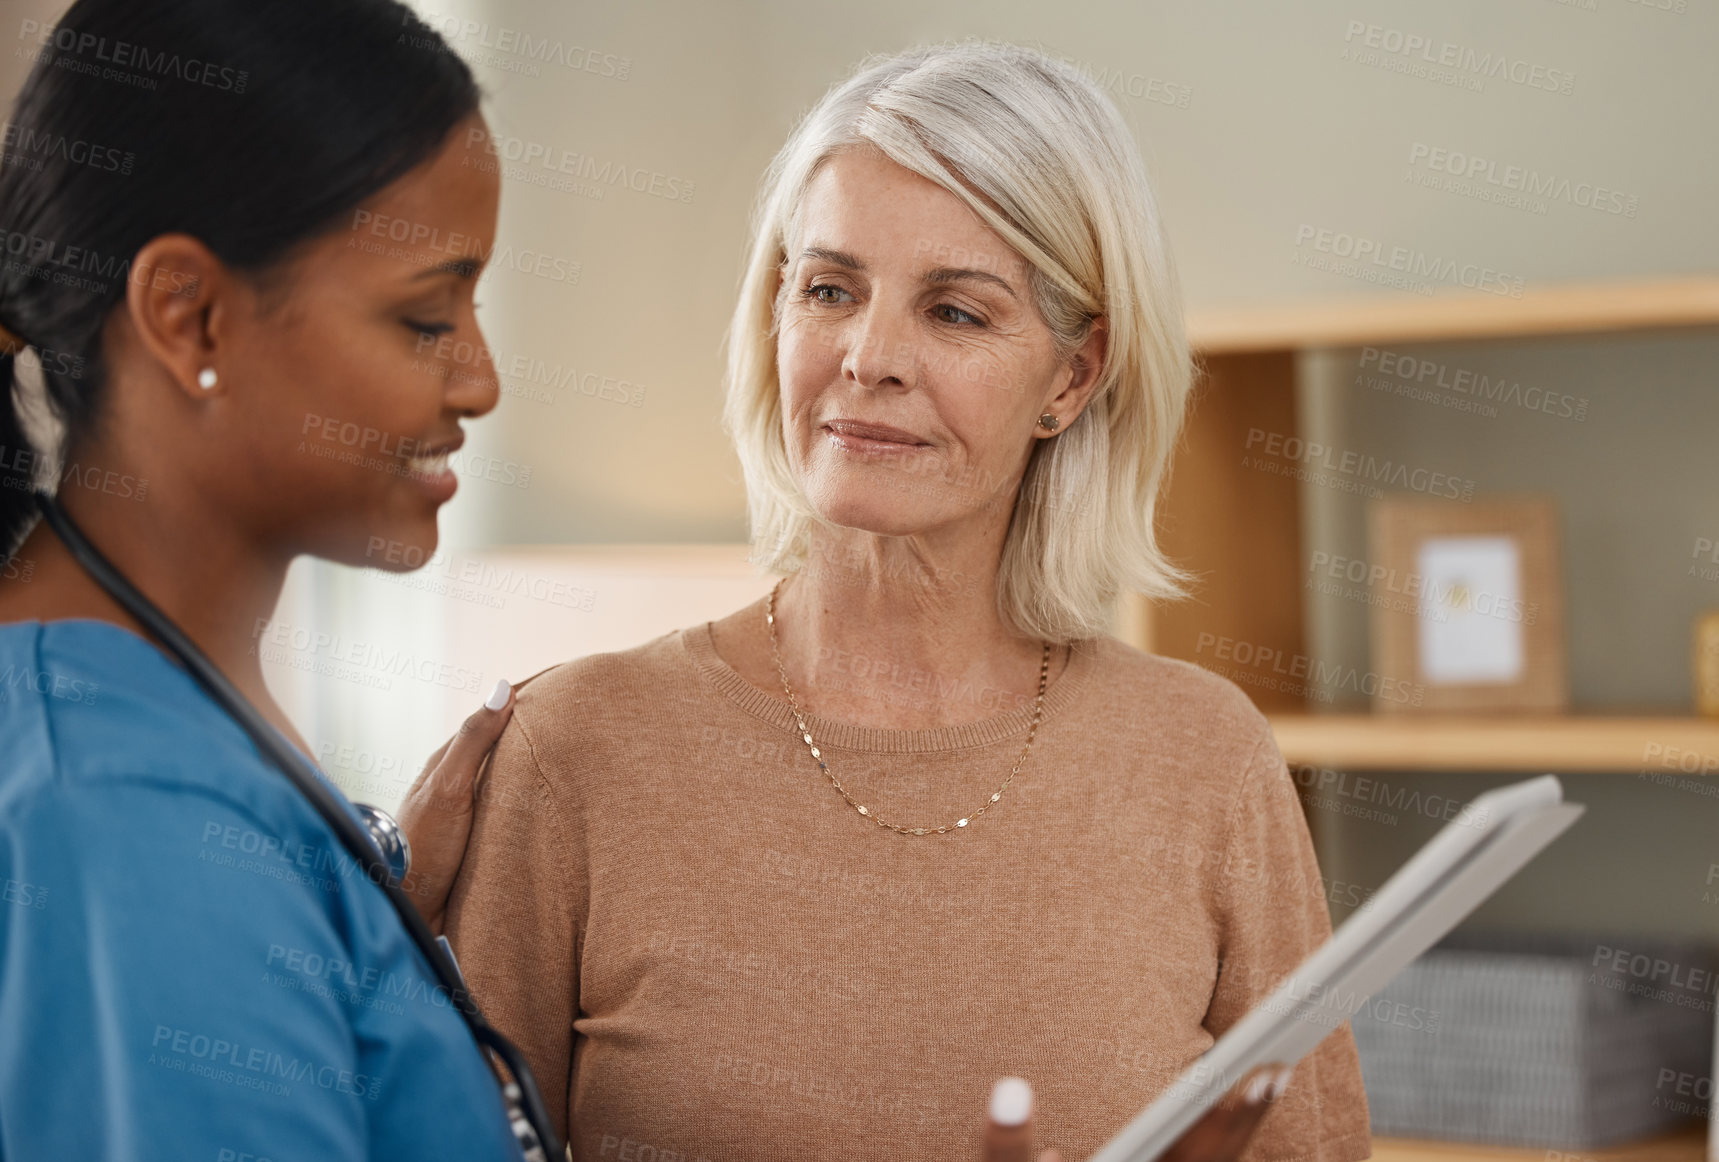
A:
(1469, 859)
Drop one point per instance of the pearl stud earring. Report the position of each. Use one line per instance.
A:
(206, 379)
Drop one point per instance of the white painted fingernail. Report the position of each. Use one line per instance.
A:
(1258, 1089)
(1011, 1101)
(1282, 1083)
(498, 696)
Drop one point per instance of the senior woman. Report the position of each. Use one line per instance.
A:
(799, 882)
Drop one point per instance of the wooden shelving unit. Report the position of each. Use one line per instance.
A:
(1239, 530)
(1500, 743)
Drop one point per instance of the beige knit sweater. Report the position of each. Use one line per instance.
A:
(707, 955)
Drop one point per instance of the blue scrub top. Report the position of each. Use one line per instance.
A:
(191, 966)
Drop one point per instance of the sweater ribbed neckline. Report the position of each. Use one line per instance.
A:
(774, 710)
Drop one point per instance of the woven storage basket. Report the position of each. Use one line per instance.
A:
(1543, 1044)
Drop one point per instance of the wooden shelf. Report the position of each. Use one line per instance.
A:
(1500, 743)
(1568, 309)
(1682, 1146)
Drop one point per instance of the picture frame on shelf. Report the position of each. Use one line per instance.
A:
(1467, 605)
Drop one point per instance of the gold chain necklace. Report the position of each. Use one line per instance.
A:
(817, 754)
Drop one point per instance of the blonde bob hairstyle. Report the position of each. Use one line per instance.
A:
(1041, 155)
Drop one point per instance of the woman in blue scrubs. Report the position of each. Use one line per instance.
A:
(242, 369)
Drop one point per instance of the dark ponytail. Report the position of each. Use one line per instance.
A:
(253, 126)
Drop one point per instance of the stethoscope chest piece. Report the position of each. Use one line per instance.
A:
(390, 840)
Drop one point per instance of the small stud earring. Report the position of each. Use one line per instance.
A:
(1049, 422)
(206, 379)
